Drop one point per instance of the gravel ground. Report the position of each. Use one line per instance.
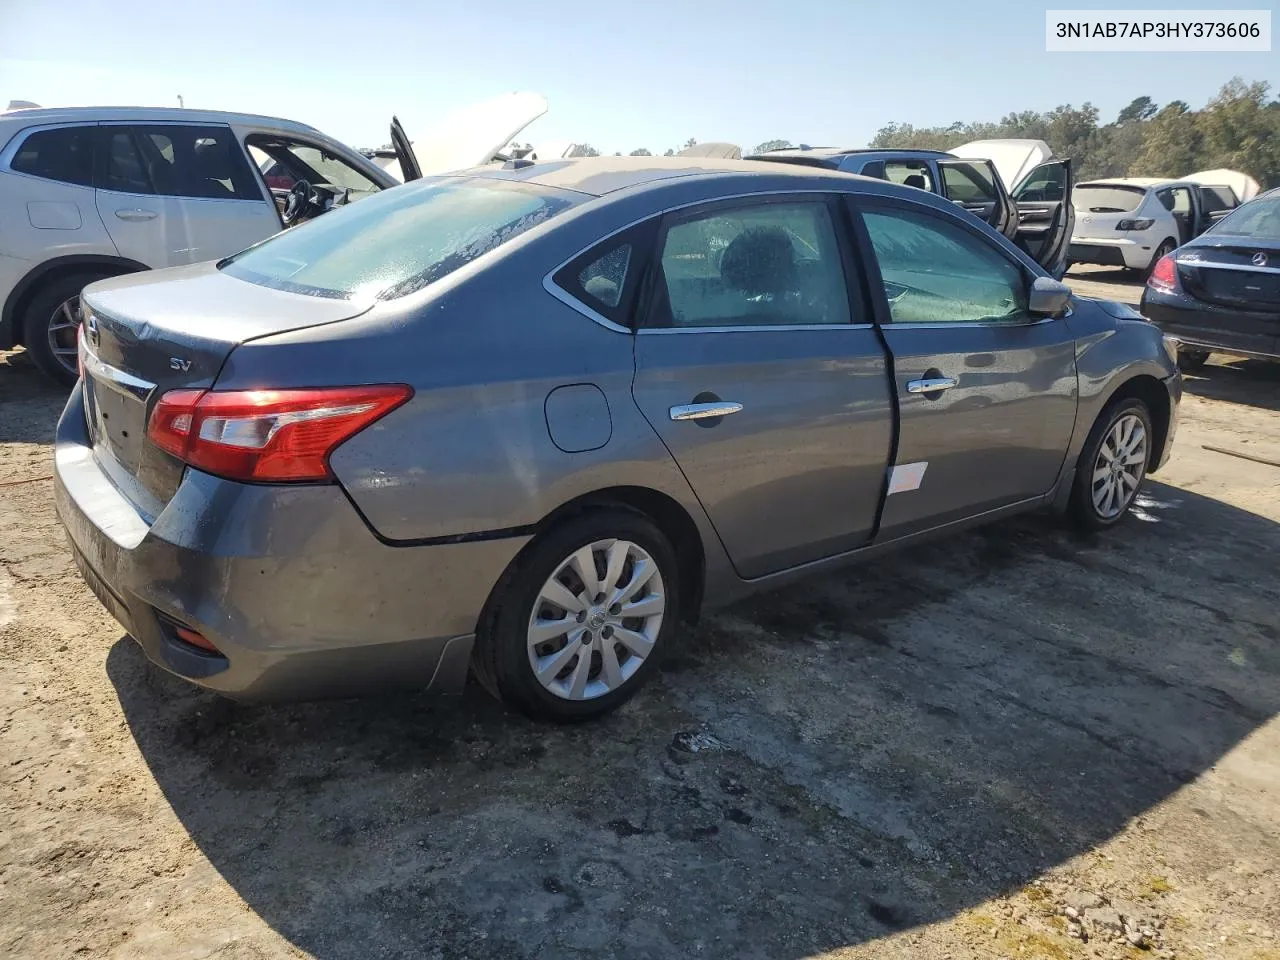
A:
(1014, 743)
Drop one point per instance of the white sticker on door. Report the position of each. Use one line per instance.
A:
(907, 476)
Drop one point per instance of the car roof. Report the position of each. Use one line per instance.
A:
(38, 116)
(1135, 182)
(598, 176)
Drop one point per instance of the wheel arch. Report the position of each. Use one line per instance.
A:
(1155, 397)
(26, 288)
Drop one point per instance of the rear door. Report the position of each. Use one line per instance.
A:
(172, 194)
(758, 366)
(986, 392)
(975, 185)
(1046, 218)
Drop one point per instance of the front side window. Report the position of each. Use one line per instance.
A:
(65, 154)
(909, 173)
(767, 264)
(174, 160)
(398, 241)
(283, 163)
(936, 271)
(1047, 183)
(968, 182)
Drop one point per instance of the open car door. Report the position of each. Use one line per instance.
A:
(976, 186)
(408, 160)
(1045, 215)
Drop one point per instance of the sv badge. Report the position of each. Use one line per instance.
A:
(177, 363)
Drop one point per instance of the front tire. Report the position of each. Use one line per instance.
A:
(1112, 465)
(50, 324)
(579, 622)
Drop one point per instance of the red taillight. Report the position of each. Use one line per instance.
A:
(1164, 275)
(267, 435)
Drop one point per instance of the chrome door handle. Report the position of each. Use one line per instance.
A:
(700, 411)
(137, 213)
(931, 384)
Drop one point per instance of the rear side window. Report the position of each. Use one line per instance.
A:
(176, 161)
(65, 154)
(398, 241)
(909, 173)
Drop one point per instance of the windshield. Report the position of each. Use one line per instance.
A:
(1259, 219)
(1106, 198)
(397, 241)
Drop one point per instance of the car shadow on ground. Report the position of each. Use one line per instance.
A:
(29, 401)
(1255, 383)
(818, 767)
(1115, 275)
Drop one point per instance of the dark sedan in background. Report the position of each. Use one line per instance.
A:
(1221, 291)
(530, 418)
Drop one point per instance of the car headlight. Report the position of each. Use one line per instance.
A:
(1171, 345)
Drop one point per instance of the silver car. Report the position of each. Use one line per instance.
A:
(528, 419)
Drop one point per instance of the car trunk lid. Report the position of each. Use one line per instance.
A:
(148, 333)
(1242, 275)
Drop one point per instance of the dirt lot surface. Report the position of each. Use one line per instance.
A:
(953, 754)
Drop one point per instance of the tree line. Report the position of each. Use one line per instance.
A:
(1239, 128)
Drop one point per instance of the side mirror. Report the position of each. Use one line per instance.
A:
(1047, 297)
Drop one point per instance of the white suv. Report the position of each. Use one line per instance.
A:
(1133, 222)
(87, 193)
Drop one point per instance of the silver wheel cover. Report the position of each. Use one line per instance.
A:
(1120, 466)
(596, 619)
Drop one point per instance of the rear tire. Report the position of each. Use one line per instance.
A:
(1163, 250)
(50, 322)
(1192, 359)
(1115, 458)
(601, 657)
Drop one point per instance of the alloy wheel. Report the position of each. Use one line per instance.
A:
(596, 619)
(62, 333)
(1120, 466)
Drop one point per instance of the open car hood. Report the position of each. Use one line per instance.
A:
(1245, 187)
(718, 151)
(1013, 159)
(469, 137)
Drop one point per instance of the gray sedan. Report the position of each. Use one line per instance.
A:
(528, 419)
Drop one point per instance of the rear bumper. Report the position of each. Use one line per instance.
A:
(289, 583)
(1209, 327)
(1110, 253)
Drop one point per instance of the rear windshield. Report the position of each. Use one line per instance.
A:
(1106, 198)
(1259, 219)
(399, 240)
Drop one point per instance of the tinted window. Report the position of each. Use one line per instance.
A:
(1259, 218)
(936, 271)
(1166, 199)
(762, 265)
(1217, 198)
(968, 182)
(65, 154)
(1106, 198)
(123, 168)
(1047, 183)
(397, 241)
(911, 173)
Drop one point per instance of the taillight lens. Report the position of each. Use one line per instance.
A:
(1139, 224)
(270, 436)
(1164, 275)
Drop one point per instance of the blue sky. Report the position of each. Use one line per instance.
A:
(618, 75)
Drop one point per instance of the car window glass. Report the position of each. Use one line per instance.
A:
(968, 182)
(911, 173)
(764, 265)
(1181, 200)
(65, 154)
(1106, 198)
(936, 271)
(602, 279)
(1216, 199)
(1258, 218)
(284, 162)
(200, 162)
(1045, 184)
(1166, 199)
(124, 169)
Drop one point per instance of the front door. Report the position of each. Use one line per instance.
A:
(765, 379)
(986, 391)
(1046, 218)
